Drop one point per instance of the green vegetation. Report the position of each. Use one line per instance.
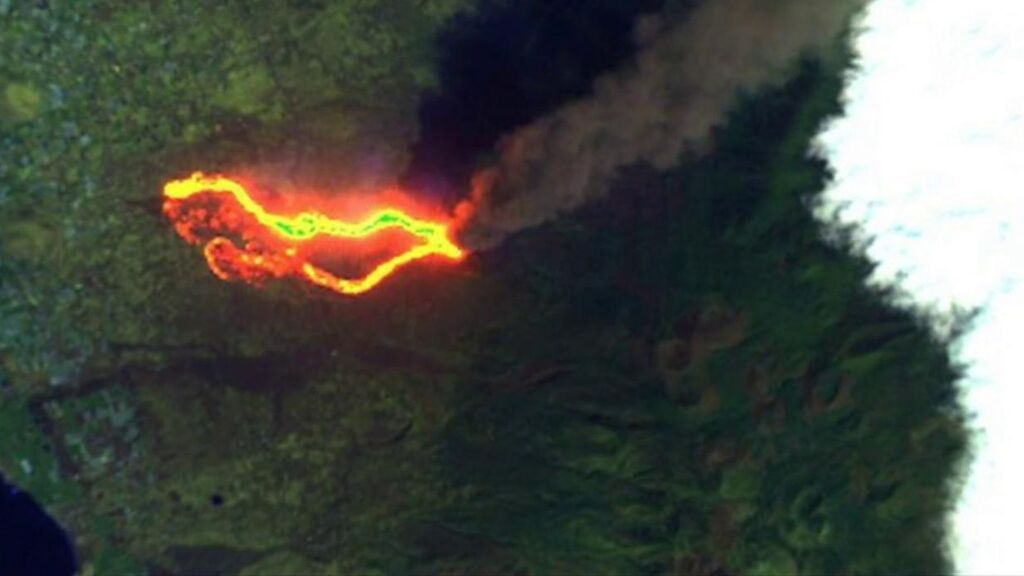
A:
(811, 429)
(678, 379)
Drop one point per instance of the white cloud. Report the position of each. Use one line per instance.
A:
(929, 161)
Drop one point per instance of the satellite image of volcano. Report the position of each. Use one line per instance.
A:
(474, 287)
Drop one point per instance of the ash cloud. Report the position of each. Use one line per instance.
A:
(682, 84)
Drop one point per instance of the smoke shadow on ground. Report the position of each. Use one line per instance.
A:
(506, 63)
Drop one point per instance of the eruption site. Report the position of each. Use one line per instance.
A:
(244, 240)
(687, 74)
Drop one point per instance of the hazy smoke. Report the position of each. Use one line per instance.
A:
(683, 83)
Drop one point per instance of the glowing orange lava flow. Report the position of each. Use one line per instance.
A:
(275, 246)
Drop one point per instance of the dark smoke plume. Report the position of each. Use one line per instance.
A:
(684, 81)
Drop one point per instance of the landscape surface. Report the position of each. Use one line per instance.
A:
(682, 377)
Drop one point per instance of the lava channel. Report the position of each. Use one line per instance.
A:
(243, 240)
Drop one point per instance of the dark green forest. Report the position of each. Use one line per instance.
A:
(682, 378)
